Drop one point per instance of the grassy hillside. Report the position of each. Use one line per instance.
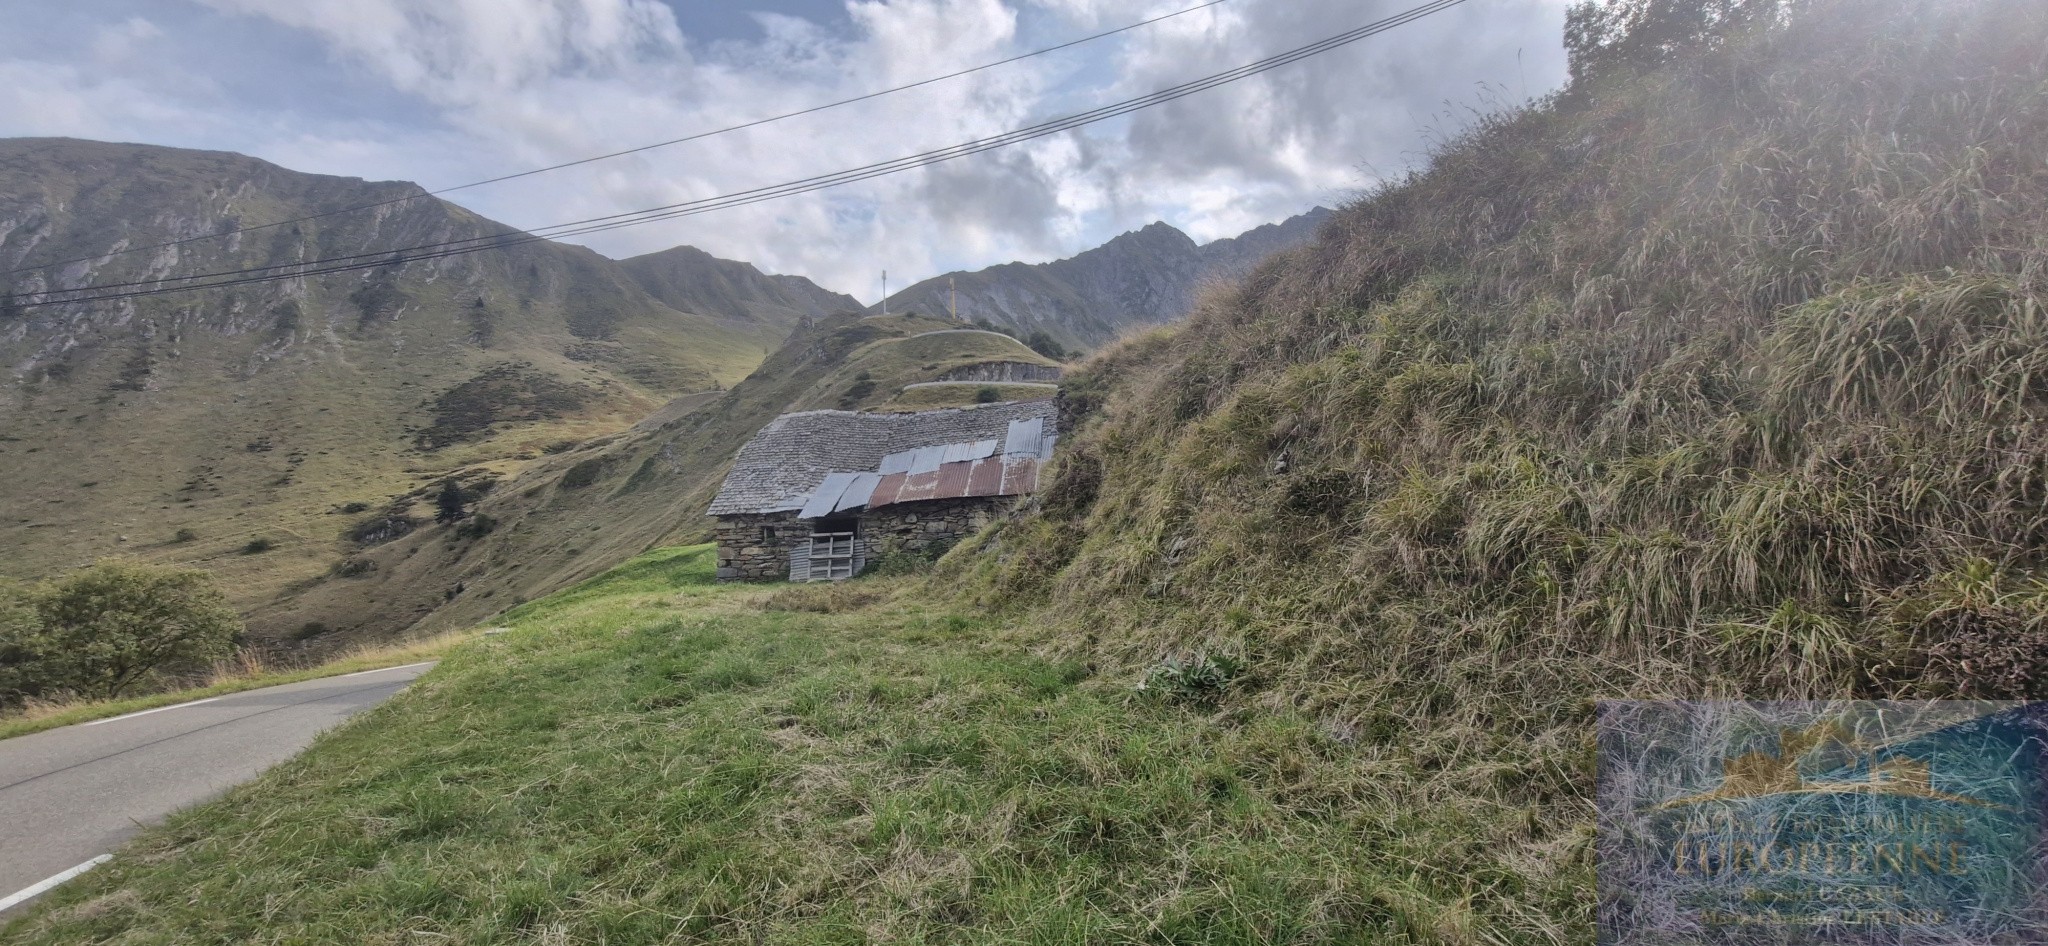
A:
(572, 514)
(184, 428)
(652, 758)
(1730, 379)
(876, 373)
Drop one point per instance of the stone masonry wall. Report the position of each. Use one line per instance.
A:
(930, 526)
(1001, 371)
(747, 553)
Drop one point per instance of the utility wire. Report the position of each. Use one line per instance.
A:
(431, 251)
(636, 150)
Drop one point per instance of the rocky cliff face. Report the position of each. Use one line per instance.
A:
(251, 428)
(1142, 277)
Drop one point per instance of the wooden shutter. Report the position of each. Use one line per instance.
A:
(800, 561)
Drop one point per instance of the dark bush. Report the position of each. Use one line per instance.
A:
(355, 567)
(1043, 344)
(382, 529)
(584, 473)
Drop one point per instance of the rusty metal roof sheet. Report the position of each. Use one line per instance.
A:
(989, 476)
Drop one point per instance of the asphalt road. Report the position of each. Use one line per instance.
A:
(70, 795)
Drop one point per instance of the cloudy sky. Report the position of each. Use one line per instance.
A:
(445, 92)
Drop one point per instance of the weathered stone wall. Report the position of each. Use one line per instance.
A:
(931, 526)
(1001, 371)
(746, 552)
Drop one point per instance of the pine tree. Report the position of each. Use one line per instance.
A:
(450, 501)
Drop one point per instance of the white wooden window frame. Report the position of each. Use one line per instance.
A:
(832, 556)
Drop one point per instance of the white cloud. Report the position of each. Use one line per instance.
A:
(446, 91)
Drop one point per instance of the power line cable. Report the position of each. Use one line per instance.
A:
(635, 150)
(396, 256)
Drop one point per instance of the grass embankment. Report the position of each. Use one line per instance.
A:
(963, 393)
(652, 758)
(1725, 380)
(228, 677)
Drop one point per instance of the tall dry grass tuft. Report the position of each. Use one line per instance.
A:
(1732, 382)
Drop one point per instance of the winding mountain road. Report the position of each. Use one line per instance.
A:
(70, 796)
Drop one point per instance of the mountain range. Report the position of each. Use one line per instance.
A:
(280, 434)
(1143, 277)
(233, 427)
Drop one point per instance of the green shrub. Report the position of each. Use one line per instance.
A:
(1201, 679)
(987, 394)
(258, 546)
(1043, 344)
(104, 629)
(896, 560)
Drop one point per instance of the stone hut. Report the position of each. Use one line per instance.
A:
(817, 494)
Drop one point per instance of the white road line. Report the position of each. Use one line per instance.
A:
(39, 888)
(382, 669)
(149, 711)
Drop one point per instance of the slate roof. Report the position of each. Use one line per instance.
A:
(798, 459)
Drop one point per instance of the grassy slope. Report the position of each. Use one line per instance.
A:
(1726, 383)
(647, 486)
(649, 757)
(964, 393)
(892, 363)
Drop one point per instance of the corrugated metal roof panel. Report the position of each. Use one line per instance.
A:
(896, 462)
(953, 479)
(974, 450)
(1020, 476)
(887, 490)
(857, 492)
(919, 486)
(927, 459)
(986, 479)
(826, 496)
(1023, 437)
(1045, 451)
(783, 465)
(992, 476)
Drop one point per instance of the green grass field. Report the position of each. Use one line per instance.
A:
(648, 757)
